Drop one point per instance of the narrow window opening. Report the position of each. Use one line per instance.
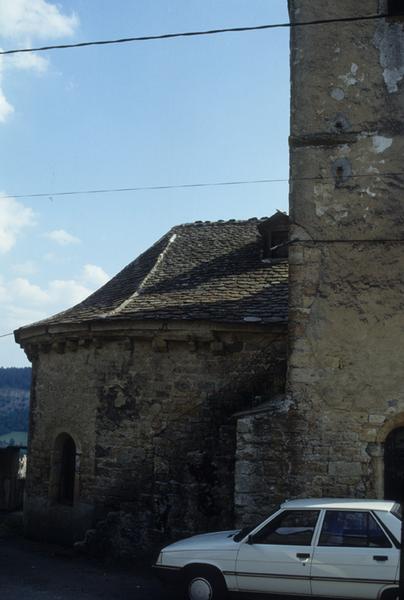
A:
(339, 176)
(67, 472)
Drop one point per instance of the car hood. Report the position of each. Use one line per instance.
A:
(206, 541)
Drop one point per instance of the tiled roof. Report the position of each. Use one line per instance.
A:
(199, 271)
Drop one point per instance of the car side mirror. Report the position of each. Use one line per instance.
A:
(250, 540)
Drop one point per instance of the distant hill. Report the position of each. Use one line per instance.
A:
(14, 401)
(14, 438)
(15, 377)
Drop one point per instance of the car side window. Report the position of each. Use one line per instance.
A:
(355, 529)
(292, 527)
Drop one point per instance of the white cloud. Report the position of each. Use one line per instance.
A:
(5, 107)
(68, 291)
(59, 294)
(62, 237)
(34, 19)
(14, 217)
(92, 274)
(23, 301)
(3, 292)
(22, 289)
(21, 22)
(27, 267)
(28, 61)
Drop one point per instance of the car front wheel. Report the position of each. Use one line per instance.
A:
(392, 594)
(204, 584)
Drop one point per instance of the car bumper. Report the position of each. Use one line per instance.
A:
(170, 575)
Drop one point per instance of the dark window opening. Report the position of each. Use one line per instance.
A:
(395, 8)
(394, 465)
(279, 244)
(275, 234)
(63, 474)
(276, 244)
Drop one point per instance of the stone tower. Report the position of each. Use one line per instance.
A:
(346, 360)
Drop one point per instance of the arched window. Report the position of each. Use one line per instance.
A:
(394, 465)
(63, 475)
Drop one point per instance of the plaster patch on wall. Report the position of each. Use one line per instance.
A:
(298, 56)
(350, 77)
(343, 151)
(324, 203)
(363, 135)
(285, 404)
(381, 143)
(320, 210)
(368, 192)
(340, 212)
(320, 195)
(389, 40)
(338, 94)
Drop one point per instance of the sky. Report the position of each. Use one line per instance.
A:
(173, 112)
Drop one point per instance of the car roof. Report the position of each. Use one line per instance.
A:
(341, 503)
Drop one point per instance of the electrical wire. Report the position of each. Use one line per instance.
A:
(6, 335)
(166, 36)
(196, 185)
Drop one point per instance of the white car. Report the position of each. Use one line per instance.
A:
(335, 548)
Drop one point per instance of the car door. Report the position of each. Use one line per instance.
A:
(354, 558)
(277, 557)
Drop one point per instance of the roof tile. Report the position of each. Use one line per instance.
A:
(198, 271)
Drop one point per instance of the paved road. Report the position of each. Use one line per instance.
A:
(33, 571)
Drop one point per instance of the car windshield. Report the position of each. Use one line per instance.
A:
(396, 510)
(246, 530)
(243, 532)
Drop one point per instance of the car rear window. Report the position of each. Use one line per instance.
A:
(355, 529)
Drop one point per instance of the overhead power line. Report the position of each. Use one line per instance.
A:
(6, 335)
(167, 36)
(146, 188)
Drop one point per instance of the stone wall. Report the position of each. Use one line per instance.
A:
(150, 413)
(346, 380)
(265, 457)
(61, 403)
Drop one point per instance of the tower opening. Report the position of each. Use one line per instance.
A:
(394, 465)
